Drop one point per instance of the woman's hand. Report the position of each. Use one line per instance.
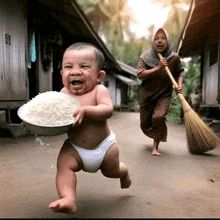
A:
(177, 89)
(162, 63)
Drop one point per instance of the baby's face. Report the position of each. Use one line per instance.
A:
(160, 42)
(79, 72)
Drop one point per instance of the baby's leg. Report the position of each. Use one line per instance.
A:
(124, 176)
(111, 167)
(68, 163)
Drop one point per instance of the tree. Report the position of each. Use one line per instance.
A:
(176, 18)
(110, 19)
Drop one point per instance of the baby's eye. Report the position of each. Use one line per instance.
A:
(67, 66)
(84, 66)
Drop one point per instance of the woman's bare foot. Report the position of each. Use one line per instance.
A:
(64, 205)
(125, 182)
(156, 153)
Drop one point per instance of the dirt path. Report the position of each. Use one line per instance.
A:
(175, 185)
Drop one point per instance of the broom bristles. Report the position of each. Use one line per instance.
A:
(200, 137)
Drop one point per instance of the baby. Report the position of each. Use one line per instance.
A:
(91, 145)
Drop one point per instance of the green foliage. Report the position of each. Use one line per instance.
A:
(192, 76)
(175, 109)
(130, 51)
(191, 79)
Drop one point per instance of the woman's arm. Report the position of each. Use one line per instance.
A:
(143, 73)
(180, 84)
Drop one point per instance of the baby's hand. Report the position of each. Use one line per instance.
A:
(24, 128)
(79, 115)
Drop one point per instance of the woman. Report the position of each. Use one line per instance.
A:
(156, 88)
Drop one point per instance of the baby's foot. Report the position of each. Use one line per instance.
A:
(125, 182)
(64, 205)
(156, 153)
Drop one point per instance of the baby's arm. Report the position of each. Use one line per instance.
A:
(102, 111)
(143, 73)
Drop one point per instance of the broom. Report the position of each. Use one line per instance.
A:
(199, 136)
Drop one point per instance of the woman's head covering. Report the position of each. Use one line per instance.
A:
(150, 56)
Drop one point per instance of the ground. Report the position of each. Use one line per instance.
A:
(174, 185)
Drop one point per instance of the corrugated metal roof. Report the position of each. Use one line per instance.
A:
(126, 80)
(127, 68)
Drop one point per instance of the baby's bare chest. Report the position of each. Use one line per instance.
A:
(88, 99)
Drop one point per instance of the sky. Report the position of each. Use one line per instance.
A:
(145, 14)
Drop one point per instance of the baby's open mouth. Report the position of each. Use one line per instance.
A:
(76, 82)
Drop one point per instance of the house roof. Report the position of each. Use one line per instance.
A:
(127, 80)
(202, 16)
(72, 18)
(127, 68)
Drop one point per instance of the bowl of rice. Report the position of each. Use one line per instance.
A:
(49, 113)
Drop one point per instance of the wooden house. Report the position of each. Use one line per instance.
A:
(201, 37)
(33, 37)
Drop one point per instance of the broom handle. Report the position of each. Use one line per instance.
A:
(186, 106)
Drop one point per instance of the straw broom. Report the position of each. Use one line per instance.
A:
(199, 136)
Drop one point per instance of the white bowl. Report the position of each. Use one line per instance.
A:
(44, 130)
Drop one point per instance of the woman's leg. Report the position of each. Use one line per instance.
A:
(159, 128)
(155, 148)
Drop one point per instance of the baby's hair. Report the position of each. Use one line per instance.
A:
(83, 45)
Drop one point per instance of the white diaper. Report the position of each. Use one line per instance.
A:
(92, 159)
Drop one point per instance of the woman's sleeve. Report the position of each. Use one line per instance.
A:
(141, 66)
(180, 69)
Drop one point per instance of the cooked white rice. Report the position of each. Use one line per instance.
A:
(50, 109)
